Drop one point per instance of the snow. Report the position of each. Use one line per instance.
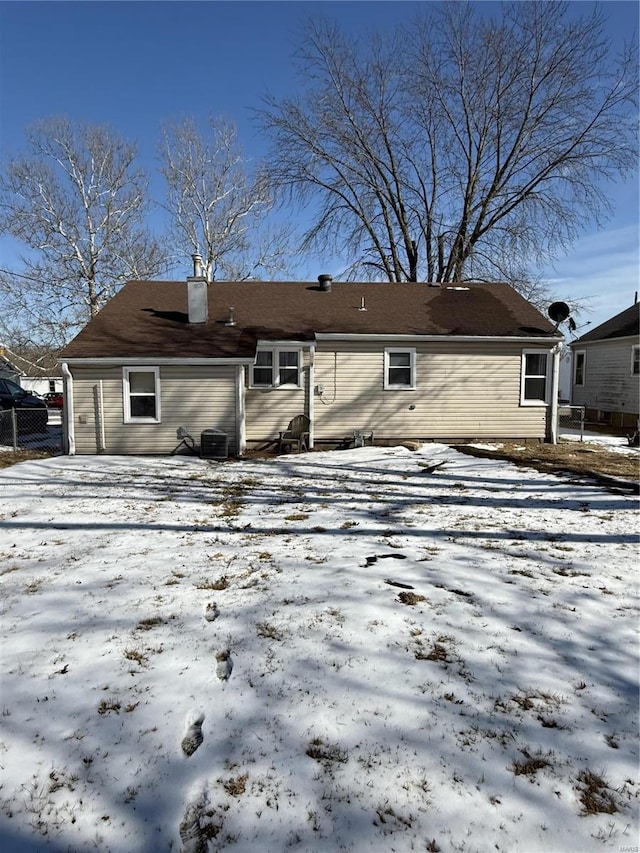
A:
(400, 657)
(612, 443)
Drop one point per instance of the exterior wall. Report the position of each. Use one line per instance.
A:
(195, 397)
(463, 390)
(269, 410)
(609, 386)
(41, 386)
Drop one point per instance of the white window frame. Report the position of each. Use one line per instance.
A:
(275, 368)
(392, 386)
(126, 394)
(524, 376)
(635, 359)
(577, 353)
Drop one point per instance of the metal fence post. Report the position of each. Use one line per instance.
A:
(14, 428)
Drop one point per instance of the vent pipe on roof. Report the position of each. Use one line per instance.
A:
(325, 282)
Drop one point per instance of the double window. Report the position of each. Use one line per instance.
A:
(579, 366)
(276, 368)
(399, 369)
(534, 382)
(141, 394)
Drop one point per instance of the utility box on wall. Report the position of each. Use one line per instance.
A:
(214, 444)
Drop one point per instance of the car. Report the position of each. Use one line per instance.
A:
(31, 410)
(54, 400)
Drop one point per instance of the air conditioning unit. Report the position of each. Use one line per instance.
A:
(214, 444)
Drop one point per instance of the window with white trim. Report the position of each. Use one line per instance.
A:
(579, 366)
(635, 360)
(534, 381)
(399, 369)
(141, 394)
(276, 368)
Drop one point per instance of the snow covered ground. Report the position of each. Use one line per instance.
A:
(366, 650)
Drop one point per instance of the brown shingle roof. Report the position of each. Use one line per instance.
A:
(626, 324)
(149, 319)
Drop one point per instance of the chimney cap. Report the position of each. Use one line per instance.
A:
(198, 272)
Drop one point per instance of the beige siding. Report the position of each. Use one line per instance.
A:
(609, 384)
(191, 396)
(268, 411)
(463, 391)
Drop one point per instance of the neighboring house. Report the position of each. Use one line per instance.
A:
(8, 370)
(606, 371)
(34, 372)
(401, 361)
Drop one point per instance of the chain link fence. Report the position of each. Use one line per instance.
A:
(31, 429)
(571, 418)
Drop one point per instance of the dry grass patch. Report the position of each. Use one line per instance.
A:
(267, 631)
(410, 598)
(326, 753)
(236, 785)
(149, 623)
(530, 765)
(15, 457)
(220, 583)
(591, 460)
(595, 795)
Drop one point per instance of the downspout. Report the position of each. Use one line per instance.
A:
(67, 410)
(555, 390)
(312, 391)
(241, 422)
(102, 442)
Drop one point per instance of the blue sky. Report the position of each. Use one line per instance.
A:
(139, 64)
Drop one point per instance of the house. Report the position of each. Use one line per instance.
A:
(8, 369)
(35, 371)
(606, 371)
(394, 362)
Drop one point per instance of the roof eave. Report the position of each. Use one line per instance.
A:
(155, 360)
(337, 336)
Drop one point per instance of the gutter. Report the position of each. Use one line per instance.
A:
(67, 410)
(312, 390)
(129, 360)
(241, 416)
(555, 389)
(490, 339)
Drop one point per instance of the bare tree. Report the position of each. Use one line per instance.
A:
(217, 206)
(77, 201)
(465, 146)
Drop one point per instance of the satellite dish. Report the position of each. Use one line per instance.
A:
(559, 311)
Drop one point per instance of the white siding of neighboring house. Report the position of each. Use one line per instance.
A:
(463, 390)
(41, 386)
(609, 385)
(194, 397)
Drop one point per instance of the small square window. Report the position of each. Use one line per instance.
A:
(276, 368)
(400, 369)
